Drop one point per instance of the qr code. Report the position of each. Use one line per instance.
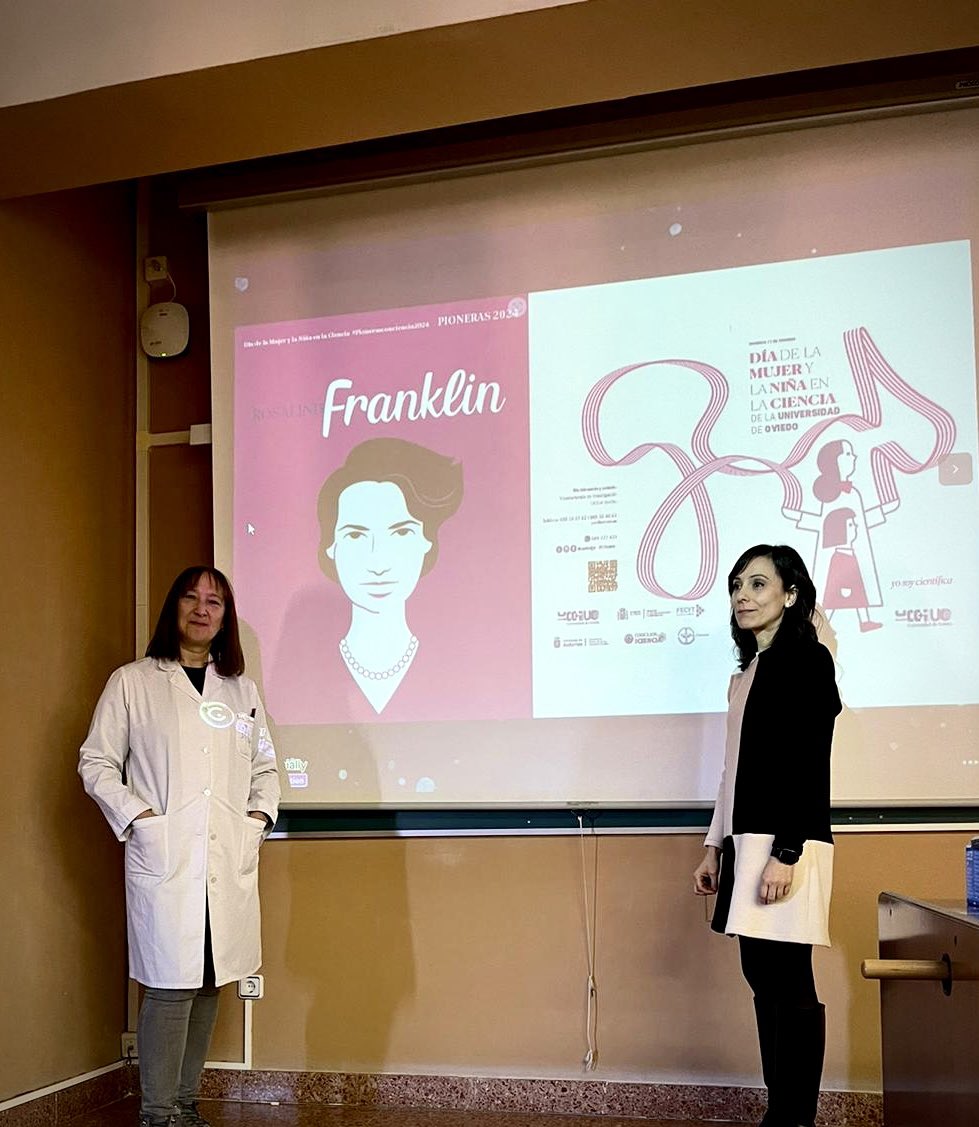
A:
(603, 575)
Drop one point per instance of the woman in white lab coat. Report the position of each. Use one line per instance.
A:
(180, 761)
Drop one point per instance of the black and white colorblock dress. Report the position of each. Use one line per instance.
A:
(775, 790)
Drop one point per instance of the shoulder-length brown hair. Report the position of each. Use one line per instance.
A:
(797, 620)
(229, 661)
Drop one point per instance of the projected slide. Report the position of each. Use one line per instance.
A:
(381, 542)
(525, 507)
(826, 403)
(486, 445)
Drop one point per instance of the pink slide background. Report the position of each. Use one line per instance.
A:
(471, 613)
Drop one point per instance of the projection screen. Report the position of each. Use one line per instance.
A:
(487, 445)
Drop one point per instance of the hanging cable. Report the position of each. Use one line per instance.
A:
(590, 1059)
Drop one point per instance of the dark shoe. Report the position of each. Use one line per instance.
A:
(188, 1116)
(155, 1121)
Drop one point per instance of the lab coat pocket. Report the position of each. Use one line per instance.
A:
(147, 848)
(244, 735)
(251, 839)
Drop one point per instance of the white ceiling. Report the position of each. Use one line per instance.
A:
(49, 48)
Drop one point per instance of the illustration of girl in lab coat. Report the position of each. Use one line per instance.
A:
(844, 588)
(836, 462)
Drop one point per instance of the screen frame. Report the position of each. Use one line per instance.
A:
(772, 104)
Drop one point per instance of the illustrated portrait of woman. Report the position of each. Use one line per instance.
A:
(844, 585)
(380, 515)
(836, 463)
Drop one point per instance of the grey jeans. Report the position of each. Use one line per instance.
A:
(173, 1036)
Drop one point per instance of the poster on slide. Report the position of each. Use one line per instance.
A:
(827, 403)
(381, 513)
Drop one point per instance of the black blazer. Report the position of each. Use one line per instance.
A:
(782, 784)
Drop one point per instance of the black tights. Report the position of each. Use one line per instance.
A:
(779, 973)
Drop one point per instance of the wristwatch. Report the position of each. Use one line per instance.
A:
(785, 855)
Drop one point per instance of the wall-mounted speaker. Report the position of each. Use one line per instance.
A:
(164, 329)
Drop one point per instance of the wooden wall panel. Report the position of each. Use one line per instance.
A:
(180, 386)
(181, 526)
(467, 955)
(66, 492)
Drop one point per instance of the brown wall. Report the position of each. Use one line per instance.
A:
(429, 954)
(66, 495)
(479, 71)
(467, 955)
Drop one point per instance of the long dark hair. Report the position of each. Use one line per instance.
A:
(797, 623)
(229, 661)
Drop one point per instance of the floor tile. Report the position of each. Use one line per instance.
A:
(230, 1114)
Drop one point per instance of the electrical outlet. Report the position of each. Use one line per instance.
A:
(129, 1050)
(252, 987)
(155, 268)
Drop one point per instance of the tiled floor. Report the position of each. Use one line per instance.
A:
(224, 1114)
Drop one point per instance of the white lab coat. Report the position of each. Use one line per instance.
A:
(201, 764)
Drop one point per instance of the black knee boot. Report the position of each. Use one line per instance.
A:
(766, 1018)
(799, 1065)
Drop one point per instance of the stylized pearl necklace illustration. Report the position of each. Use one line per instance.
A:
(372, 674)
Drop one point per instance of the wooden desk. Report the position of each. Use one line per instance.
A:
(930, 1028)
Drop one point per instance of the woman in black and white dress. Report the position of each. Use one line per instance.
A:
(769, 850)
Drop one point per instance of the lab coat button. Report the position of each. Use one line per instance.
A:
(214, 837)
(207, 791)
(214, 880)
(205, 750)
